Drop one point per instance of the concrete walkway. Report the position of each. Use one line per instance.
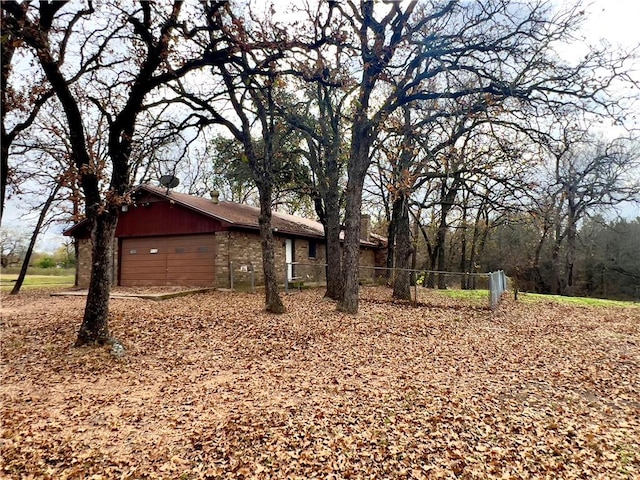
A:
(146, 296)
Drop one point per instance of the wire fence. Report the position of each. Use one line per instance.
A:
(497, 286)
(242, 275)
(300, 274)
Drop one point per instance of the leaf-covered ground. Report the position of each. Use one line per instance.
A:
(213, 387)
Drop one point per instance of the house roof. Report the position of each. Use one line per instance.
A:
(240, 215)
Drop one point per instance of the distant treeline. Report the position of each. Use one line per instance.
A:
(605, 262)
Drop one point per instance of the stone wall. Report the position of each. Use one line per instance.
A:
(307, 269)
(242, 251)
(84, 262)
(367, 263)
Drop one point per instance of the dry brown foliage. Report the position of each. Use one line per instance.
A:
(213, 387)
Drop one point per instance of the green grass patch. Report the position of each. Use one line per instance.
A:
(49, 272)
(466, 295)
(580, 301)
(7, 281)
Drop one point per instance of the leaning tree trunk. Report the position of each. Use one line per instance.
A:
(4, 168)
(402, 283)
(95, 324)
(34, 236)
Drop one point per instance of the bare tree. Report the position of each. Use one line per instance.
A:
(249, 81)
(589, 175)
(502, 52)
(323, 138)
(13, 246)
(79, 50)
(44, 210)
(20, 101)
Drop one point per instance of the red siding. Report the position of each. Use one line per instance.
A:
(162, 218)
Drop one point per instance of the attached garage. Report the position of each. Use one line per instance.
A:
(167, 238)
(173, 260)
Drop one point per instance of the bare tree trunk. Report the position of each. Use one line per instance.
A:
(331, 194)
(4, 168)
(446, 203)
(441, 265)
(439, 250)
(34, 236)
(570, 253)
(556, 282)
(351, 253)
(8, 49)
(335, 288)
(95, 324)
(76, 255)
(475, 245)
(414, 254)
(273, 302)
(541, 285)
(402, 283)
(391, 246)
(464, 279)
(357, 169)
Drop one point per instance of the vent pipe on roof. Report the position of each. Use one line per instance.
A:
(215, 196)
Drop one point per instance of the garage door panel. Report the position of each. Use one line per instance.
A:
(177, 261)
(187, 271)
(147, 262)
(181, 260)
(190, 259)
(141, 282)
(190, 278)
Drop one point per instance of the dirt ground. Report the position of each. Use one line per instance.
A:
(213, 387)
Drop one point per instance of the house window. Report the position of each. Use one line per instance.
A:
(133, 251)
(179, 249)
(313, 248)
(153, 250)
(203, 249)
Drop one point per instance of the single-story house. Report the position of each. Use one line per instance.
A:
(169, 238)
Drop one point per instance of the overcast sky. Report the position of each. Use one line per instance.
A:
(616, 21)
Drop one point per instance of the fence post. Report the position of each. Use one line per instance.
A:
(490, 281)
(497, 286)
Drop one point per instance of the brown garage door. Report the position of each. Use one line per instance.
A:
(158, 261)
